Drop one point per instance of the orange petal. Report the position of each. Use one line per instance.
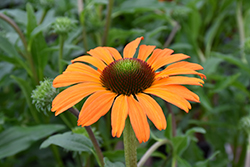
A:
(70, 96)
(80, 67)
(91, 60)
(152, 110)
(177, 71)
(158, 54)
(70, 78)
(130, 48)
(145, 51)
(138, 120)
(118, 115)
(185, 64)
(97, 105)
(174, 80)
(181, 91)
(102, 54)
(116, 55)
(164, 60)
(170, 97)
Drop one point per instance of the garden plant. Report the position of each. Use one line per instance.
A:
(115, 83)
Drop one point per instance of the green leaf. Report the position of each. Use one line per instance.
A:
(211, 33)
(10, 50)
(205, 163)
(231, 59)
(180, 144)
(37, 41)
(131, 6)
(69, 141)
(182, 162)
(107, 163)
(27, 90)
(31, 20)
(16, 139)
(168, 132)
(225, 82)
(210, 65)
(193, 130)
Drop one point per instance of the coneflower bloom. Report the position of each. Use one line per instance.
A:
(125, 85)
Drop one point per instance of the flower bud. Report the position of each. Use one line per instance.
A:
(63, 25)
(43, 95)
(244, 124)
(47, 3)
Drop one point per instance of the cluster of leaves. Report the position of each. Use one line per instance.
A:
(214, 33)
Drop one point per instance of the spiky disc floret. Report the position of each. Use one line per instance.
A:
(127, 76)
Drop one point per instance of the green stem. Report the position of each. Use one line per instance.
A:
(108, 21)
(61, 43)
(65, 120)
(154, 147)
(247, 159)
(43, 15)
(92, 138)
(173, 164)
(28, 55)
(172, 34)
(57, 155)
(81, 14)
(241, 30)
(130, 145)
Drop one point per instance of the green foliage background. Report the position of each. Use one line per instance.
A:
(216, 34)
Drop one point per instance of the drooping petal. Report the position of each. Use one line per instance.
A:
(116, 55)
(138, 120)
(185, 64)
(178, 71)
(80, 67)
(164, 60)
(170, 97)
(91, 60)
(102, 54)
(131, 47)
(181, 80)
(152, 110)
(145, 51)
(158, 54)
(97, 105)
(70, 96)
(119, 114)
(70, 78)
(181, 91)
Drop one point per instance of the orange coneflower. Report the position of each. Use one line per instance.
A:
(125, 84)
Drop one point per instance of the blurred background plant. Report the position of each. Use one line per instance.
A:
(39, 38)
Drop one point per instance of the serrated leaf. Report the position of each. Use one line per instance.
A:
(107, 163)
(69, 141)
(16, 139)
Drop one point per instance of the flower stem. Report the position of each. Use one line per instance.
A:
(81, 14)
(247, 159)
(45, 11)
(241, 30)
(108, 21)
(130, 144)
(75, 112)
(154, 147)
(61, 43)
